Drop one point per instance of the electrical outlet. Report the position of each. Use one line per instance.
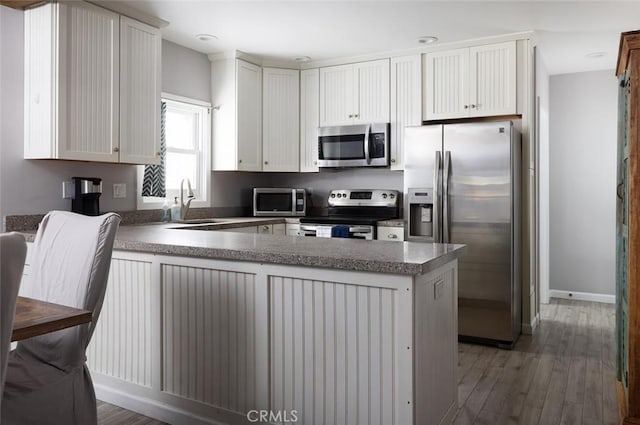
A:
(119, 190)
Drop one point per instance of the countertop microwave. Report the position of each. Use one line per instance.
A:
(279, 202)
(363, 145)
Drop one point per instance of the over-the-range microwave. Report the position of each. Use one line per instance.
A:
(279, 201)
(363, 145)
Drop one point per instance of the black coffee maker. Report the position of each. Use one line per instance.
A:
(86, 199)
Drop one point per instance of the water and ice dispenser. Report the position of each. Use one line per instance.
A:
(421, 210)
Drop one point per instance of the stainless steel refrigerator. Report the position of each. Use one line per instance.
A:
(462, 185)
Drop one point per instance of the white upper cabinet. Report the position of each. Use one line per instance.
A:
(280, 119)
(406, 103)
(237, 115)
(355, 93)
(73, 78)
(470, 82)
(140, 47)
(309, 119)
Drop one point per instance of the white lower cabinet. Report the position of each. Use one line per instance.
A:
(386, 233)
(292, 229)
(201, 341)
(272, 229)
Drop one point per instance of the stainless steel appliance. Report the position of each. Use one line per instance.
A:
(462, 185)
(279, 201)
(353, 213)
(365, 145)
(86, 198)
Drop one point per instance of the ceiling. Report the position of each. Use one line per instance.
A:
(567, 31)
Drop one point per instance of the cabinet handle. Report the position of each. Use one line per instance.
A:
(392, 236)
(158, 153)
(239, 161)
(466, 106)
(265, 227)
(315, 162)
(393, 161)
(356, 115)
(266, 163)
(351, 116)
(473, 106)
(116, 149)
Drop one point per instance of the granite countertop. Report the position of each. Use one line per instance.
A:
(181, 239)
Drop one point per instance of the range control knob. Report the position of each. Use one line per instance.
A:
(391, 195)
(384, 196)
(333, 195)
(339, 195)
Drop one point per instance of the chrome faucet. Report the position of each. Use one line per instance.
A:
(184, 208)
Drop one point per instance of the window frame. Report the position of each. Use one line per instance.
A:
(203, 197)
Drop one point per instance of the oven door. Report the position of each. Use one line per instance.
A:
(320, 230)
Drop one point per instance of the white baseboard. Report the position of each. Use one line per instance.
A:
(582, 296)
(154, 409)
(530, 328)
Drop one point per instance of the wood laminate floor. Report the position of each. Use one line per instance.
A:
(564, 374)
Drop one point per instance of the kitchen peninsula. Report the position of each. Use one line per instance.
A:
(205, 326)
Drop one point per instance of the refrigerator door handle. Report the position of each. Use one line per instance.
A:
(445, 195)
(437, 198)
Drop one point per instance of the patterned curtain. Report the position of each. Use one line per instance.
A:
(154, 175)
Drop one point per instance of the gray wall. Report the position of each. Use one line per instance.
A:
(582, 175)
(35, 186)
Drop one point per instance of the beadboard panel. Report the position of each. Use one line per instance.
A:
(445, 84)
(139, 93)
(89, 82)
(309, 119)
(435, 339)
(373, 91)
(210, 343)
(121, 346)
(406, 103)
(39, 95)
(249, 116)
(493, 79)
(280, 120)
(333, 351)
(336, 95)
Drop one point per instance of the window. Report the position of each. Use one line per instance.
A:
(187, 141)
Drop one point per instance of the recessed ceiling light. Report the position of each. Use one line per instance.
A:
(427, 39)
(302, 59)
(595, 55)
(206, 37)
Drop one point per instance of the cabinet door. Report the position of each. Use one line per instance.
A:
(392, 234)
(249, 116)
(445, 84)
(280, 119)
(492, 79)
(406, 103)
(88, 103)
(140, 46)
(337, 95)
(372, 97)
(309, 119)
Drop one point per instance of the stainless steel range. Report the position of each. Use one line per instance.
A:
(353, 213)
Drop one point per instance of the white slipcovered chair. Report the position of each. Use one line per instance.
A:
(47, 378)
(13, 250)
